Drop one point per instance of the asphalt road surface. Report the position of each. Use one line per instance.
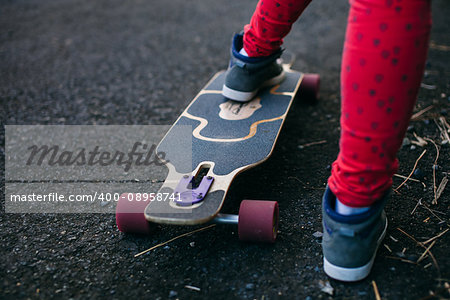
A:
(105, 62)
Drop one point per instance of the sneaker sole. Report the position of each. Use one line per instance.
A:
(247, 96)
(352, 274)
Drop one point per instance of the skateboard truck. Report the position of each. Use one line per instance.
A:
(187, 191)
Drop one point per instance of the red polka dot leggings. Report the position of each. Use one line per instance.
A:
(383, 61)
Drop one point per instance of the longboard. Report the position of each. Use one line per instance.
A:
(228, 137)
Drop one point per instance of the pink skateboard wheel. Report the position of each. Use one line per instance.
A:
(258, 221)
(130, 216)
(309, 87)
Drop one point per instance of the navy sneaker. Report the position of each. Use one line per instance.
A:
(350, 243)
(246, 75)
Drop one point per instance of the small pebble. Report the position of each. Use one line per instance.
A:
(172, 294)
(318, 234)
(326, 287)
(413, 147)
(249, 286)
(412, 257)
(418, 173)
(406, 142)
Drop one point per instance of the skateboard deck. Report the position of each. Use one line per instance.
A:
(227, 137)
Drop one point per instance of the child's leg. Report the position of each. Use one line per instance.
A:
(254, 55)
(270, 23)
(382, 66)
